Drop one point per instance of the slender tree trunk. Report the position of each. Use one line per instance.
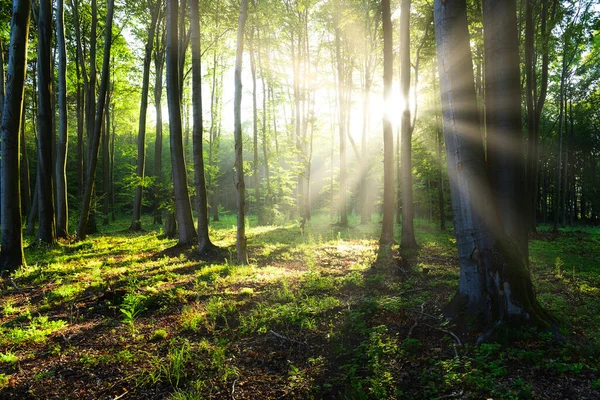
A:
(106, 162)
(185, 222)
(82, 228)
(255, 165)
(408, 231)
(343, 206)
(62, 209)
(387, 230)
(46, 231)
(265, 144)
(204, 243)
(25, 181)
(11, 253)
(215, 113)
(136, 218)
(556, 207)
(440, 162)
(237, 102)
(158, 66)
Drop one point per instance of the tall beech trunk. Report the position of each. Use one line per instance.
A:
(136, 223)
(106, 161)
(255, 169)
(204, 243)
(241, 239)
(343, 202)
(495, 283)
(159, 62)
(183, 209)
(439, 150)
(46, 230)
(82, 228)
(265, 143)
(62, 209)
(215, 115)
(25, 181)
(505, 161)
(387, 230)
(408, 214)
(11, 253)
(561, 113)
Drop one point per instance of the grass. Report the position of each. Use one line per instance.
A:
(312, 316)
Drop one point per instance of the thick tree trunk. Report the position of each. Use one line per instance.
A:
(11, 253)
(183, 209)
(505, 156)
(46, 230)
(204, 243)
(495, 284)
(62, 209)
(136, 223)
(408, 231)
(239, 170)
(387, 230)
(82, 228)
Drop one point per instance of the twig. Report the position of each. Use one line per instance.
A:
(448, 396)
(285, 338)
(451, 334)
(121, 395)
(410, 331)
(233, 389)
(423, 314)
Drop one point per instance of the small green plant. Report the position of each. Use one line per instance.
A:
(9, 358)
(131, 308)
(174, 368)
(9, 308)
(158, 334)
(558, 264)
(191, 317)
(4, 380)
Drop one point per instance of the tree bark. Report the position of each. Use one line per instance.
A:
(408, 231)
(183, 209)
(82, 228)
(495, 284)
(343, 203)
(159, 61)
(204, 243)
(25, 181)
(239, 170)
(46, 230)
(255, 173)
(505, 156)
(387, 230)
(62, 209)
(136, 223)
(11, 253)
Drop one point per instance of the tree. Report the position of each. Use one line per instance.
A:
(408, 231)
(387, 230)
(495, 283)
(82, 228)
(11, 253)
(136, 223)
(204, 243)
(237, 132)
(159, 62)
(46, 230)
(62, 208)
(183, 210)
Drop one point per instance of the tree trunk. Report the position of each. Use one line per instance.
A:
(239, 170)
(204, 243)
(62, 209)
(505, 161)
(495, 283)
(215, 115)
(387, 230)
(46, 230)
(106, 161)
(11, 253)
(408, 231)
(440, 162)
(82, 228)
(159, 61)
(255, 174)
(183, 210)
(25, 181)
(343, 206)
(556, 207)
(136, 222)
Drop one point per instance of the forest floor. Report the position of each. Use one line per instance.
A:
(128, 316)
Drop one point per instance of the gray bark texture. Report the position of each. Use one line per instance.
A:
(62, 209)
(11, 254)
(183, 209)
(237, 132)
